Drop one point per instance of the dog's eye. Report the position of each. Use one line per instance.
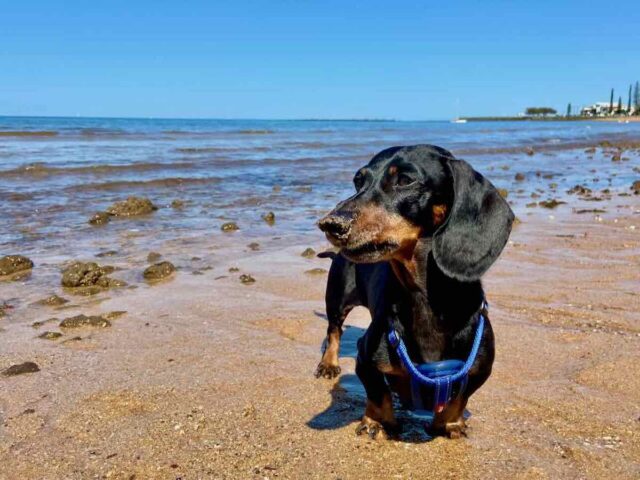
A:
(403, 180)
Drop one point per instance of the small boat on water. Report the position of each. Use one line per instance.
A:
(459, 120)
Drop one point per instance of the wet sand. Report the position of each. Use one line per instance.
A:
(205, 377)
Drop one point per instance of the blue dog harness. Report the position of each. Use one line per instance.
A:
(441, 377)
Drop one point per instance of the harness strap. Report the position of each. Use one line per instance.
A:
(442, 385)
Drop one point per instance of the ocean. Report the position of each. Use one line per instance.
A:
(56, 172)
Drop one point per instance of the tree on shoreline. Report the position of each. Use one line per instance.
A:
(544, 111)
(569, 109)
(611, 102)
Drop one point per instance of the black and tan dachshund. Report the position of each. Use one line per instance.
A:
(414, 240)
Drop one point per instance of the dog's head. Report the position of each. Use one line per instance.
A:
(407, 193)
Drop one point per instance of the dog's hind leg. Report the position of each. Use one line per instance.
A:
(341, 297)
(450, 422)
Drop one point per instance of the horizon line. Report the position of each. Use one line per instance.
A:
(303, 119)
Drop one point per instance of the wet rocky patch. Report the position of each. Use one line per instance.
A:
(308, 253)
(89, 278)
(40, 323)
(159, 271)
(50, 335)
(229, 227)
(82, 320)
(4, 308)
(590, 210)
(107, 253)
(132, 207)
(20, 369)
(269, 217)
(316, 271)
(580, 190)
(11, 265)
(100, 218)
(52, 301)
(551, 203)
(247, 279)
(153, 257)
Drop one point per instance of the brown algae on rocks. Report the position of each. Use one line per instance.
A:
(113, 315)
(131, 207)
(89, 274)
(50, 335)
(153, 257)
(4, 306)
(308, 253)
(21, 368)
(159, 271)
(52, 301)
(579, 190)
(269, 217)
(11, 264)
(552, 203)
(316, 271)
(40, 323)
(107, 253)
(246, 279)
(100, 218)
(85, 321)
(229, 227)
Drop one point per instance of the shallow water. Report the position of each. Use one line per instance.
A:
(56, 172)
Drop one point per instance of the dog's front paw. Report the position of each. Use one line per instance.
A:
(374, 429)
(327, 371)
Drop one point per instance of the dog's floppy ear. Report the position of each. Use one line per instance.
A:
(477, 227)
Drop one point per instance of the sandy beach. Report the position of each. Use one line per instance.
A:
(204, 376)
(214, 379)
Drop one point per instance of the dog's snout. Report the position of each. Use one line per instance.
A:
(336, 226)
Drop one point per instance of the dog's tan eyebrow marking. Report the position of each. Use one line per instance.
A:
(439, 214)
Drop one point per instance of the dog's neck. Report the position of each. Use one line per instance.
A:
(436, 300)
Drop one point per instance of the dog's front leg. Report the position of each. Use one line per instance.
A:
(328, 366)
(378, 420)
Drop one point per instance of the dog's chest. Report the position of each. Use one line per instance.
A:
(423, 334)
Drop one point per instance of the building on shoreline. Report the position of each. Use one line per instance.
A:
(603, 109)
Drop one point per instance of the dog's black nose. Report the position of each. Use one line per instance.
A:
(336, 227)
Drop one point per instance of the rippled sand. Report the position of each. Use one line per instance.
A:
(206, 377)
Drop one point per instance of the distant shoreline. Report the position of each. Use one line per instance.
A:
(620, 119)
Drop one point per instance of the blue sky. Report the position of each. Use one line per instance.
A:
(312, 59)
